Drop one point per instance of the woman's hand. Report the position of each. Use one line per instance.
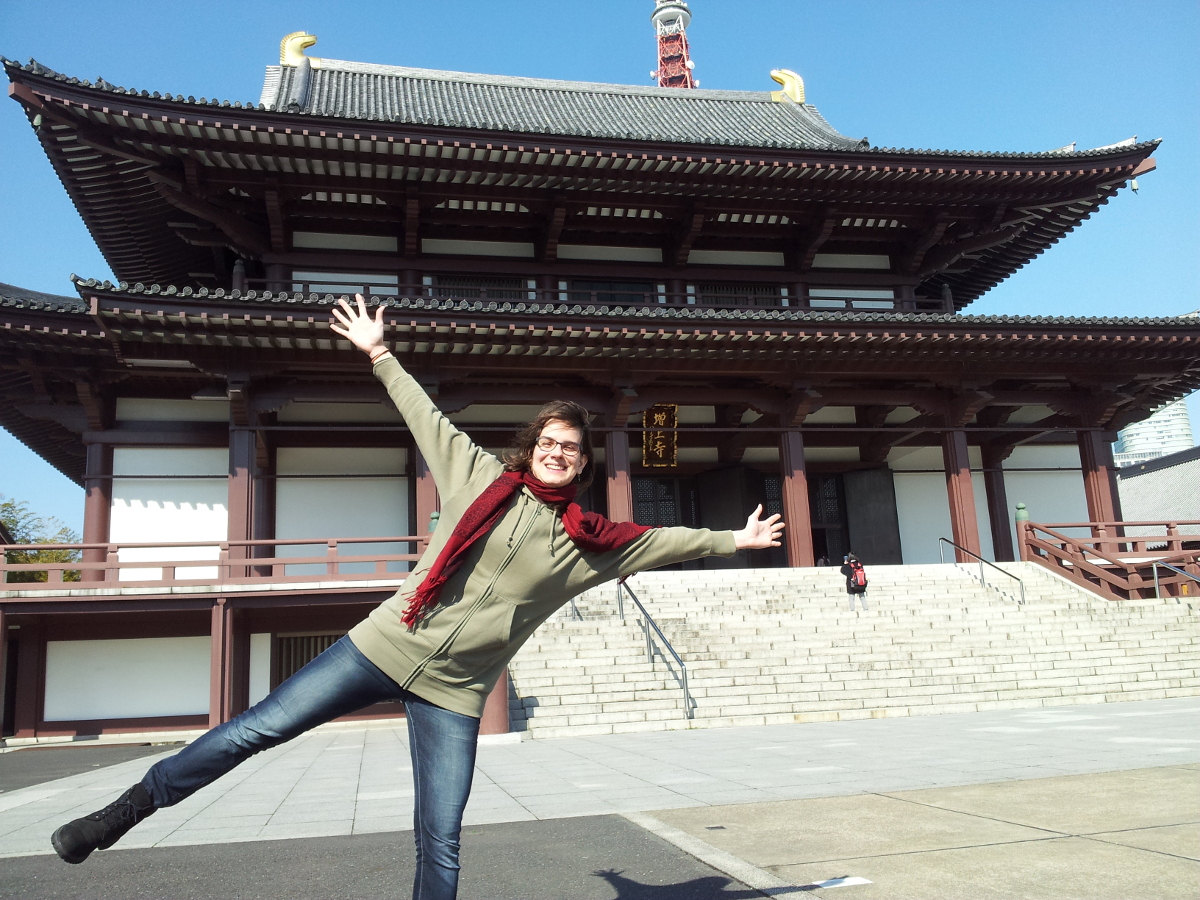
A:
(363, 332)
(759, 533)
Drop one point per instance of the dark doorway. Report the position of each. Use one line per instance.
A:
(664, 502)
(827, 501)
(8, 723)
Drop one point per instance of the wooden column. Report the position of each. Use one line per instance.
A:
(428, 501)
(1099, 476)
(240, 504)
(31, 671)
(219, 674)
(964, 528)
(797, 536)
(620, 485)
(236, 665)
(495, 711)
(97, 505)
(997, 501)
(3, 667)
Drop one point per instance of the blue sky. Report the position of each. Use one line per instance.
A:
(1011, 75)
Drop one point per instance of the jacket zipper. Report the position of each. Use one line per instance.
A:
(479, 601)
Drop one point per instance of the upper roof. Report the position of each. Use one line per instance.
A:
(23, 298)
(352, 90)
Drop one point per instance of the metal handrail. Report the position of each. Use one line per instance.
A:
(1157, 589)
(982, 563)
(648, 623)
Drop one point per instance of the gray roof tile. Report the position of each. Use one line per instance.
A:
(351, 90)
(23, 298)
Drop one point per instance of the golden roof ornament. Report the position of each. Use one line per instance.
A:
(292, 47)
(793, 86)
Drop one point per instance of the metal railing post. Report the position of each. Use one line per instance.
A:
(1157, 589)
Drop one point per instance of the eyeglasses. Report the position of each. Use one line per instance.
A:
(547, 445)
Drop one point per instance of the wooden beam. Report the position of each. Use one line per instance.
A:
(246, 236)
(552, 232)
(686, 233)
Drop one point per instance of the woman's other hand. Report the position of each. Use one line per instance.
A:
(759, 533)
(362, 331)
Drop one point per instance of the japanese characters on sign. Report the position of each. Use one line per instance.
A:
(660, 439)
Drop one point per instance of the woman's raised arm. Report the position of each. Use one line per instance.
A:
(358, 327)
(453, 458)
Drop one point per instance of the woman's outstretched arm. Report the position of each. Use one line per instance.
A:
(452, 457)
(759, 533)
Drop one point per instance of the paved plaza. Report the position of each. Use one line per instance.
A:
(1082, 801)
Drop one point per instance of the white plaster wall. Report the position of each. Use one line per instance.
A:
(923, 510)
(132, 678)
(260, 666)
(1054, 494)
(923, 505)
(341, 492)
(167, 510)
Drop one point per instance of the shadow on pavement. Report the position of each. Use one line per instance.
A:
(586, 858)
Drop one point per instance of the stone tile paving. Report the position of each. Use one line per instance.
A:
(357, 779)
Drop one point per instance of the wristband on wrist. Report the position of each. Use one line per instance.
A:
(378, 353)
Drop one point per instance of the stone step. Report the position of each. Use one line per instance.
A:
(780, 645)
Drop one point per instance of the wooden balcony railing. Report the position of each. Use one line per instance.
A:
(213, 564)
(579, 297)
(1116, 559)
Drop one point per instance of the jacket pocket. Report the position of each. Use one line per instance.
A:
(482, 643)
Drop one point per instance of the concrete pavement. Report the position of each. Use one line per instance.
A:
(925, 805)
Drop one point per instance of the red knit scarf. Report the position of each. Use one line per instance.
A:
(590, 532)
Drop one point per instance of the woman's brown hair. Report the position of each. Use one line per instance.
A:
(519, 455)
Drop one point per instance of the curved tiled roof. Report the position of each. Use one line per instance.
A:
(23, 298)
(690, 313)
(352, 90)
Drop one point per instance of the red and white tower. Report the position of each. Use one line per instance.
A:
(671, 19)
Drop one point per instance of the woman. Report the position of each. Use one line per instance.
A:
(509, 550)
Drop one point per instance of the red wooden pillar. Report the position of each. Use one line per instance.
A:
(97, 506)
(241, 492)
(997, 501)
(620, 485)
(3, 667)
(495, 710)
(428, 501)
(1099, 477)
(220, 678)
(964, 528)
(31, 678)
(797, 536)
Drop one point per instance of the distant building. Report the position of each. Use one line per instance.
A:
(1168, 431)
(1166, 488)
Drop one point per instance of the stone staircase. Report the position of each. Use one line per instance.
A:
(766, 646)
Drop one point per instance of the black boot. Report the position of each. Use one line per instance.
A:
(75, 841)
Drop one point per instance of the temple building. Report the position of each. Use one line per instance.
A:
(755, 307)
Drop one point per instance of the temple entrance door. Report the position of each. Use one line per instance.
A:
(667, 501)
(827, 500)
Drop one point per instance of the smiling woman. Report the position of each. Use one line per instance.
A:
(512, 546)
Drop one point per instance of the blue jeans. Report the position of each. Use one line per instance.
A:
(340, 681)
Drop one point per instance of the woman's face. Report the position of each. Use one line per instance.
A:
(556, 467)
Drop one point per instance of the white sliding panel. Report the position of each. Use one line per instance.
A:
(341, 492)
(168, 495)
(126, 679)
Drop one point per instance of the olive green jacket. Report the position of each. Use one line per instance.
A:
(512, 580)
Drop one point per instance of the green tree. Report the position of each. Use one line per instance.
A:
(27, 527)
